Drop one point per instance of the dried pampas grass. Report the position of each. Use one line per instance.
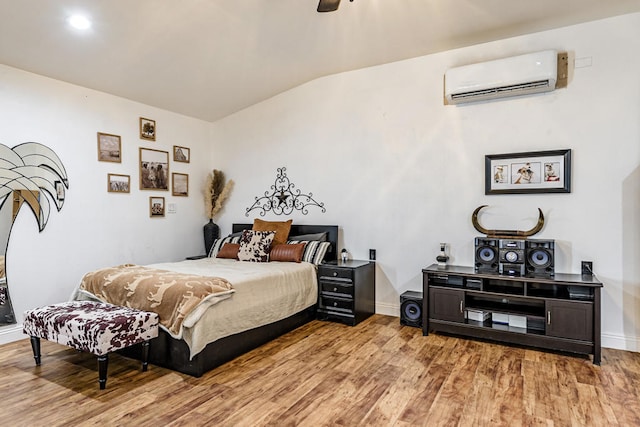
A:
(216, 192)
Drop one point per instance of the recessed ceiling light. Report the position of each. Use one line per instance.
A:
(79, 22)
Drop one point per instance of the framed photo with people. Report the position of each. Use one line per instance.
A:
(118, 183)
(154, 169)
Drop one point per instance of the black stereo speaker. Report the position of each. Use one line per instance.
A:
(540, 257)
(411, 309)
(486, 255)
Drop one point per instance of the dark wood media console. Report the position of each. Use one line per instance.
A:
(560, 312)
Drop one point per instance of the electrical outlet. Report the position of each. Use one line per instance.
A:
(587, 267)
(372, 254)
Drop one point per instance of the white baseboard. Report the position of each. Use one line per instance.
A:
(11, 333)
(388, 309)
(621, 342)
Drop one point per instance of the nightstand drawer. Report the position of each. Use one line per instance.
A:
(336, 303)
(335, 316)
(336, 287)
(341, 274)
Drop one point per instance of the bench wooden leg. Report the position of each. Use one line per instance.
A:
(103, 363)
(35, 346)
(145, 356)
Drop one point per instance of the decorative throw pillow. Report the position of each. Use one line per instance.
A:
(219, 243)
(281, 229)
(314, 252)
(229, 250)
(287, 253)
(255, 245)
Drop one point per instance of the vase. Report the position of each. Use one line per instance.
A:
(211, 233)
(443, 257)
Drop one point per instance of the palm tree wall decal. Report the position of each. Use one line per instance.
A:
(31, 173)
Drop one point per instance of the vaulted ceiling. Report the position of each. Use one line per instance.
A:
(210, 58)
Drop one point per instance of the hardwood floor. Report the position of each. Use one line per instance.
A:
(375, 374)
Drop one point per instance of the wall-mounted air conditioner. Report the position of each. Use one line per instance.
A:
(518, 75)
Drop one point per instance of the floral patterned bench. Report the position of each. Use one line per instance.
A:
(93, 327)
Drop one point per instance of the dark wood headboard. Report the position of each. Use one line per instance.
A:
(297, 229)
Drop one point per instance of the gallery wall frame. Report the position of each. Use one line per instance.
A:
(528, 172)
(181, 154)
(156, 206)
(117, 183)
(147, 129)
(154, 169)
(109, 148)
(180, 184)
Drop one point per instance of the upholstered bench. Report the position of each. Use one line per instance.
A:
(93, 327)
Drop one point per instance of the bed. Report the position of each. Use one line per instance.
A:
(212, 340)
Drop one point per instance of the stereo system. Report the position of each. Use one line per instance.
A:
(511, 260)
(411, 309)
(514, 257)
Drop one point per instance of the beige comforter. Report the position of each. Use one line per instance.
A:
(264, 293)
(174, 296)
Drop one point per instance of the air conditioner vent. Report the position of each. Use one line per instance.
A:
(519, 75)
(531, 87)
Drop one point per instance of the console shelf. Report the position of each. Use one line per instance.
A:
(560, 312)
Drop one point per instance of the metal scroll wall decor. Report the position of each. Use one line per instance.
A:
(283, 198)
(30, 173)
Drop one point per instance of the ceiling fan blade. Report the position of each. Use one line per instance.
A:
(328, 5)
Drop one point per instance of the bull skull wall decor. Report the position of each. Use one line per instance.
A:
(510, 234)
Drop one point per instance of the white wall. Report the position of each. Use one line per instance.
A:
(396, 169)
(400, 172)
(95, 228)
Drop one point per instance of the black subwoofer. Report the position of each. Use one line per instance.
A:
(486, 255)
(411, 309)
(540, 257)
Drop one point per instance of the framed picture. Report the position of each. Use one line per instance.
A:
(531, 172)
(156, 206)
(180, 184)
(154, 169)
(147, 129)
(181, 154)
(118, 183)
(109, 148)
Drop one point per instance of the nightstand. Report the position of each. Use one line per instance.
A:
(346, 291)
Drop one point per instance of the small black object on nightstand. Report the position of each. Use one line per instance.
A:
(196, 257)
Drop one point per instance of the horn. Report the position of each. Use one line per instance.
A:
(474, 220)
(537, 227)
(507, 233)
